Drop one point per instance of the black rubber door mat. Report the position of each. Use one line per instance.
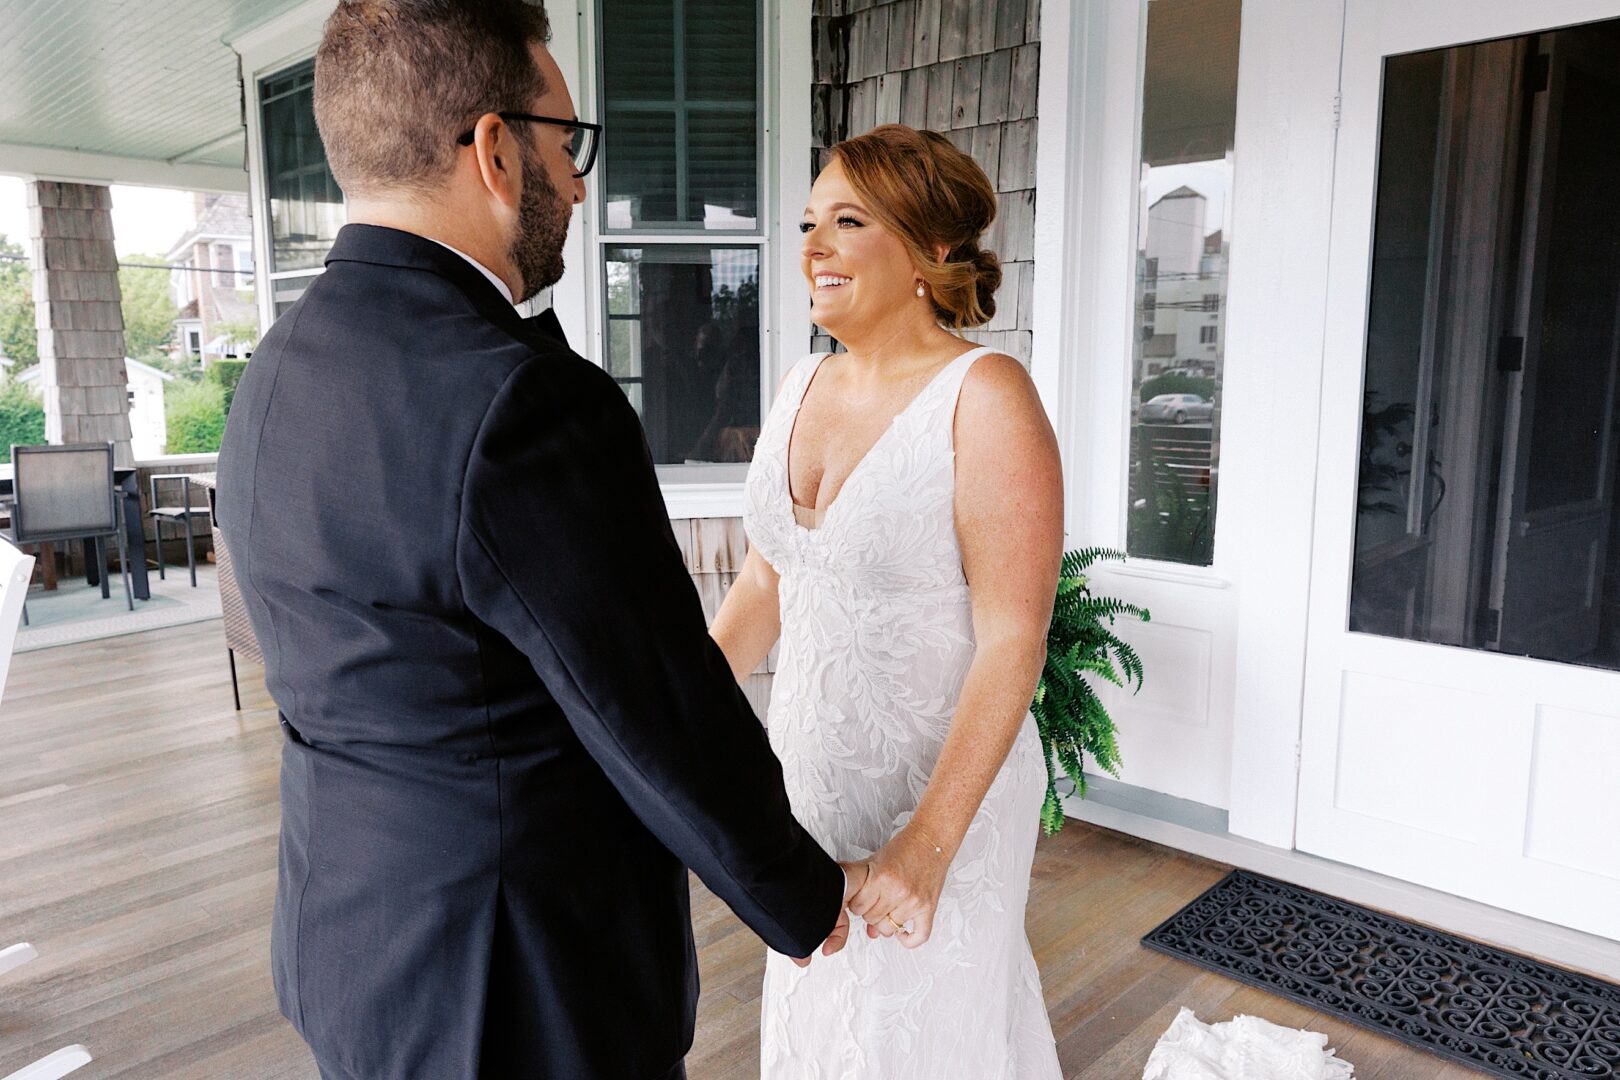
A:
(1500, 1013)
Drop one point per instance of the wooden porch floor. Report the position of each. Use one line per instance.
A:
(138, 824)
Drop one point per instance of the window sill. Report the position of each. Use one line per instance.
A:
(716, 500)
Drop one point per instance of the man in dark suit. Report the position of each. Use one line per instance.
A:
(507, 731)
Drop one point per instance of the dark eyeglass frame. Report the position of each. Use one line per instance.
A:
(593, 133)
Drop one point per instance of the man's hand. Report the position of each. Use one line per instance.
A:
(855, 874)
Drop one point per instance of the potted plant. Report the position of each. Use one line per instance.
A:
(1069, 715)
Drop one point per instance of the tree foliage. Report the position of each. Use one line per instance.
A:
(18, 337)
(149, 312)
(22, 417)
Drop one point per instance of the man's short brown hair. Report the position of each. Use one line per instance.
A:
(396, 81)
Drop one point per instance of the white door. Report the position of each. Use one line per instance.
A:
(1462, 700)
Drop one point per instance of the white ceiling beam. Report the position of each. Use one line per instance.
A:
(76, 166)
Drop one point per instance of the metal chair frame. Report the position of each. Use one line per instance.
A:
(184, 512)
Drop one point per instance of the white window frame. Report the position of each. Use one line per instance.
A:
(785, 78)
(244, 266)
(786, 73)
(1087, 175)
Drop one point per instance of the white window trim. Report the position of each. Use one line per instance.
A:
(1085, 241)
(271, 47)
(786, 75)
(785, 158)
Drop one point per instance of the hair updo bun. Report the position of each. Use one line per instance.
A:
(987, 267)
(932, 196)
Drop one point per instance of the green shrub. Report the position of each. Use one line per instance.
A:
(194, 413)
(1178, 383)
(22, 417)
(226, 374)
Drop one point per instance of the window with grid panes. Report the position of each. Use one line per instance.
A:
(680, 230)
(304, 205)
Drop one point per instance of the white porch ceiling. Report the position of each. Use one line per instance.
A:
(134, 91)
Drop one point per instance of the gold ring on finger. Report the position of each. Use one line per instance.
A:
(896, 925)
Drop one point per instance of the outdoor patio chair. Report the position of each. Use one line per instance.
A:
(67, 493)
(179, 513)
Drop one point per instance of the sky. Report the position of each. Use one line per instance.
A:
(145, 220)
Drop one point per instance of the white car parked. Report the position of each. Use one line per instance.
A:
(1175, 408)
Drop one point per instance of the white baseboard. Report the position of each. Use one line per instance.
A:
(1201, 830)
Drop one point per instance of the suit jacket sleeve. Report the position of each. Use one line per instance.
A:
(565, 548)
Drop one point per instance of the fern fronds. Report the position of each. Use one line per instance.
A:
(1080, 643)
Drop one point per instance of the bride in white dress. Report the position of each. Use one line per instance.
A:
(904, 509)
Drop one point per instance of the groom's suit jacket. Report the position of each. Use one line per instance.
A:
(507, 731)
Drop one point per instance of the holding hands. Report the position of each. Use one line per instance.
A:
(902, 887)
(895, 891)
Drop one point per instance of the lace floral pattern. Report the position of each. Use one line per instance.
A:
(877, 638)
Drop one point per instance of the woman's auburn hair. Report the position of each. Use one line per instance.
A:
(931, 195)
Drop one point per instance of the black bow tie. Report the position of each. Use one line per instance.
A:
(547, 324)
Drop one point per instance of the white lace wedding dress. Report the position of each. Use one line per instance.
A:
(877, 637)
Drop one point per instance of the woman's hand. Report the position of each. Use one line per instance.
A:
(901, 894)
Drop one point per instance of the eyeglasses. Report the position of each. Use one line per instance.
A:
(582, 148)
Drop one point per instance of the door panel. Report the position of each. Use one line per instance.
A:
(1466, 465)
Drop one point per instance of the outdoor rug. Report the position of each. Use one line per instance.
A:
(1495, 1011)
(76, 612)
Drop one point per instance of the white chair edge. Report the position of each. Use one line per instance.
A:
(15, 956)
(52, 1066)
(15, 570)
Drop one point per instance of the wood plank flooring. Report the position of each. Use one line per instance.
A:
(138, 821)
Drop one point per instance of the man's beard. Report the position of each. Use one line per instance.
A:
(543, 216)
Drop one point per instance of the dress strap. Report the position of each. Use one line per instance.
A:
(955, 375)
(798, 381)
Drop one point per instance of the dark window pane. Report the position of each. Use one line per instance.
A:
(640, 163)
(306, 207)
(680, 87)
(683, 341)
(1189, 111)
(1486, 507)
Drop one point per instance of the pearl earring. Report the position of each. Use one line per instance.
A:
(920, 290)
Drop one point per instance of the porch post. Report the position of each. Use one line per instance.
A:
(76, 309)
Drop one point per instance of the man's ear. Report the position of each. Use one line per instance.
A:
(496, 150)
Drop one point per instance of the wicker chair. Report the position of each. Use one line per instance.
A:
(239, 639)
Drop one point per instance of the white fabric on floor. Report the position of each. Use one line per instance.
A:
(1246, 1048)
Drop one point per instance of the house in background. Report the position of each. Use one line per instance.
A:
(212, 279)
(148, 429)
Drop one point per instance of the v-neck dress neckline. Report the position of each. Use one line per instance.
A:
(823, 515)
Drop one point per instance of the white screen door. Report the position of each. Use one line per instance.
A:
(1462, 694)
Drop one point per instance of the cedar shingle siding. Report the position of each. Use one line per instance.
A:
(81, 326)
(967, 68)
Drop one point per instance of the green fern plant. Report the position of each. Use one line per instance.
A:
(1068, 713)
